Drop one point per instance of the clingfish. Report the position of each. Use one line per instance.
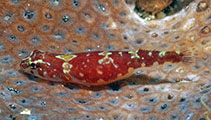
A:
(94, 68)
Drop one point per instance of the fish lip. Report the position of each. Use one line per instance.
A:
(22, 69)
(23, 65)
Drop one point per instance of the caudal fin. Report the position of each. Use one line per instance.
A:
(187, 56)
(191, 55)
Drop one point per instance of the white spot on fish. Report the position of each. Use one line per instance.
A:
(40, 61)
(120, 53)
(106, 59)
(162, 53)
(178, 52)
(81, 74)
(150, 53)
(99, 72)
(134, 54)
(66, 67)
(87, 60)
(45, 73)
(105, 53)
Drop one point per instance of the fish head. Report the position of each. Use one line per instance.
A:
(32, 62)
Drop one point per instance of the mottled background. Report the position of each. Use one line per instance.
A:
(162, 92)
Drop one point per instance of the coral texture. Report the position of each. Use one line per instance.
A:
(153, 6)
(174, 91)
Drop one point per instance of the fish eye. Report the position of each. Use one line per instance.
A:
(33, 65)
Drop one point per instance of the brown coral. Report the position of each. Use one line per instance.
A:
(153, 6)
(170, 91)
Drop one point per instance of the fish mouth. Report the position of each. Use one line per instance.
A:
(24, 64)
(22, 69)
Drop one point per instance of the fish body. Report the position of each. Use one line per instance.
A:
(94, 68)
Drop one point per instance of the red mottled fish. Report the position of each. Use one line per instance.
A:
(94, 68)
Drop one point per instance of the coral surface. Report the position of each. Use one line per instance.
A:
(153, 6)
(168, 92)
